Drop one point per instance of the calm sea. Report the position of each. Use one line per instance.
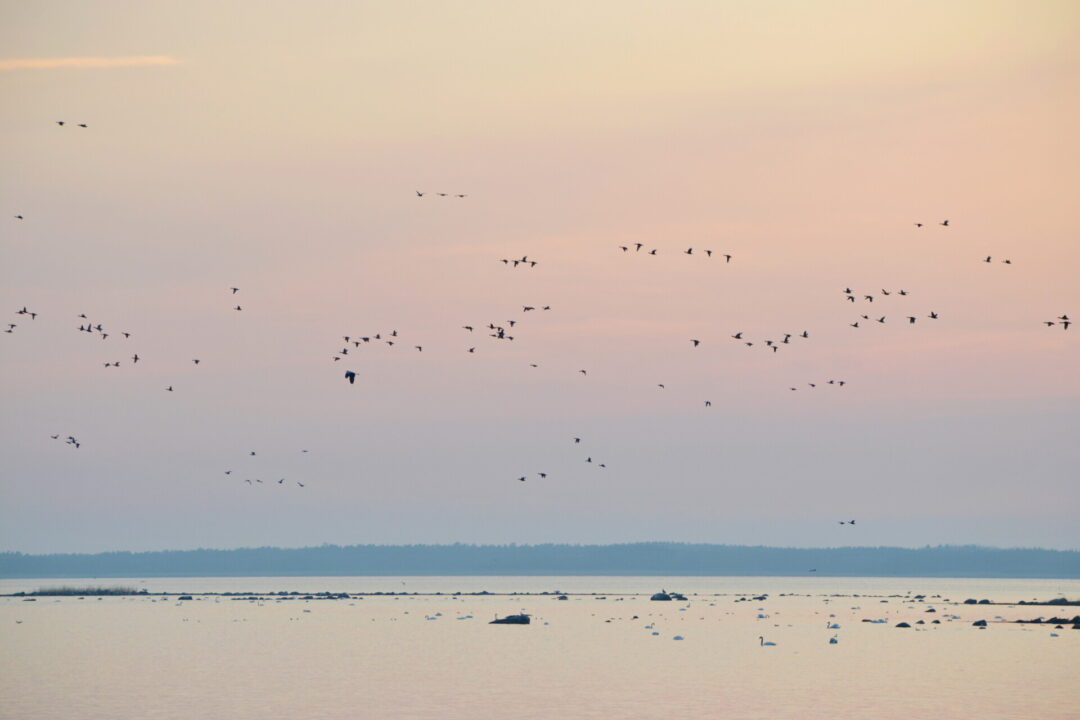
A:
(605, 652)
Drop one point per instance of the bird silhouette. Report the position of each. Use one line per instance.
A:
(944, 223)
(350, 376)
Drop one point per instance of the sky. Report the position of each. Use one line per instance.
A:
(278, 148)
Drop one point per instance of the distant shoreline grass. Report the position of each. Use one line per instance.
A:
(633, 559)
(68, 590)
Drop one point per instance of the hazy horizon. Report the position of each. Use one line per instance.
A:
(279, 149)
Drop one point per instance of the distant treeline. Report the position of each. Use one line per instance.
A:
(628, 559)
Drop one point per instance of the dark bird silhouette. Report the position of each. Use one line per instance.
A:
(135, 358)
(55, 437)
(737, 336)
(460, 195)
(196, 361)
(689, 251)
(350, 376)
(468, 327)
(943, 223)
(419, 194)
(82, 125)
(855, 324)
(583, 372)
(472, 350)
(727, 258)
(60, 123)
(933, 315)
(696, 342)
(624, 248)
(653, 251)
(1007, 261)
(881, 319)
(911, 320)
(237, 308)
(169, 389)
(235, 290)
(918, 224)
(708, 403)
(988, 259)
(543, 475)
(521, 479)
(804, 334)
(638, 246)
(577, 440)
(19, 217)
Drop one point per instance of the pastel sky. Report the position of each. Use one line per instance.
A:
(278, 147)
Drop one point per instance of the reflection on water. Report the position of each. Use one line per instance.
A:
(612, 656)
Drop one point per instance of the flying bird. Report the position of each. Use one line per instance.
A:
(350, 376)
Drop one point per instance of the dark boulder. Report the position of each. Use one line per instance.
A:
(902, 625)
(979, 623)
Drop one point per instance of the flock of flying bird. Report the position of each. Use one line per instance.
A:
(501, 330)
